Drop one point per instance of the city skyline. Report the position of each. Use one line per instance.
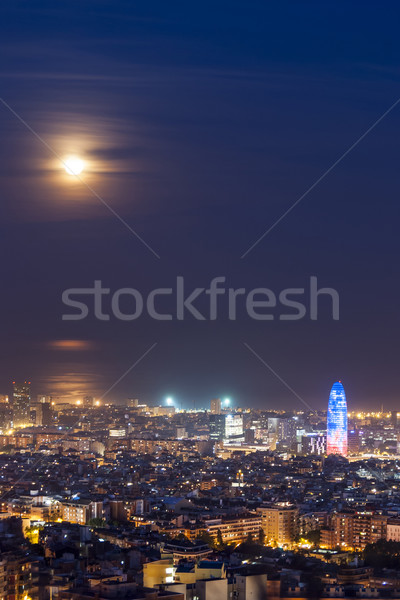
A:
(218, 404)
(200, 148)
(199, 315)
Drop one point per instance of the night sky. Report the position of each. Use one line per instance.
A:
(200, 125)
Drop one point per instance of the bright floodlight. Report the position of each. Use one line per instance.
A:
(169, 401)
(73, 165)
(227, 401)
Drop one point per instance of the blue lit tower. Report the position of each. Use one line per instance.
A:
(337, 421)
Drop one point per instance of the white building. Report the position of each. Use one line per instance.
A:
(212, 589)
(393, 530)
(251, 587)
(234, 428)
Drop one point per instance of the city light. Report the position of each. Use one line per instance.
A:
(190, 194)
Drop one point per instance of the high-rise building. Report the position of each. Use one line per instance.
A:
(216, 406)
(41, 412)
(234, 428)
(314, 443)
(273, 425)
(279, 523)
(287, 430)
(395, 418)
(354, 441)
(21, 403)
(5, 415)
(217, 427)
(21, 574)
(36, 415)
(350, 529)
(337, 421)
(47, 411)
(88, 401)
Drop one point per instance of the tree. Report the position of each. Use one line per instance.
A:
(37, 549)
(249, 539)
(382, 554)
(261, 537)
(32, 533)
(220, 540)
(207, 538)
(97, 522)
(313, 536)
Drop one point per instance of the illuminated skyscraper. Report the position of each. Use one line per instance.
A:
(234, 428)
(337, 421)
(21, 404)
(217, 427)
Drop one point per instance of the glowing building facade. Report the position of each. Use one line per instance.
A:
(234, 428)
(337, 421)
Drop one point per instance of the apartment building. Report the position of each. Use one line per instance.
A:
(81, 511)
(354, 530)
(20, 576)
(393, 530)
(279, 523)
(233, 529)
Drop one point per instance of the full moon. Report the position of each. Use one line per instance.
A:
(73, 165)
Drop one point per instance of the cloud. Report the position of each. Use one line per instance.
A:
(72, 345)
(72, 386)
